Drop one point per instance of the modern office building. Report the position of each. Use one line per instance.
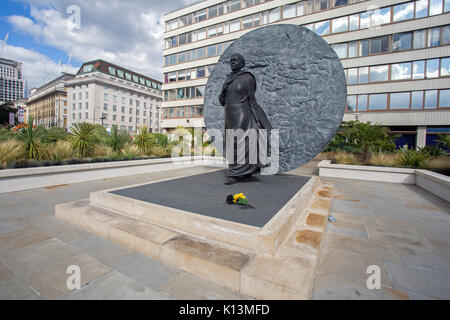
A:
(107, 94)
(47, 105)
(11, 80)
(395, 53)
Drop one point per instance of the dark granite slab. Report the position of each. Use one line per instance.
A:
(206, 194)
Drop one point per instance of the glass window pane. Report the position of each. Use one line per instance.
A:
(201, 34)
(352, 49)
(417, 100)
(322, 28)
(445, 67)
(446, 34)
(211, 51)
(447, 6)
(419, 39)
(235, 25)
(338, 3)
(378, 73)
(378, 101)
(200, 53)
(352, 76)
(351, 103)
(340, 24)
(363, 76)
(432, 68)
(289, 11)
(364, 50)
(430, 99)
(402, 41)
(434, 37)
(381, 16)
(341, 50)
(300, 9)
(421, 8)
(322, 4)
(401, 71)
(247, 22)
(364, 20)
(404, 11)
(399, 100)
(419, 69)
(444, 98)
(435, 7)
(362, 102)
(354, 22)
(274, 15)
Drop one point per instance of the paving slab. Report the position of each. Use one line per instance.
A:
(21, 238)
(116, 286)
(5, 274)
(16, 290)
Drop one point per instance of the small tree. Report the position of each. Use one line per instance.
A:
(369, 137)
(117, 139)
(83, 139)
(28, 135)
(144, 140)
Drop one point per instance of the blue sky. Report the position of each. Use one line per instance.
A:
(43, 37)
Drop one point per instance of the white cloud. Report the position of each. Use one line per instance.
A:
(128, 33)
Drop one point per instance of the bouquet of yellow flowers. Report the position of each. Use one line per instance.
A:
(238, 198)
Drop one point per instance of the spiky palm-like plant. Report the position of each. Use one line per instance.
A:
(144, 140)
(83, 139)
(31, 144)
(117, 139)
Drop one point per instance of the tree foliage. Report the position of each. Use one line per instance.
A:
(83, 139)
(117, 139)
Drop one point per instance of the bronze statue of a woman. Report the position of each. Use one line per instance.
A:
(242, 112)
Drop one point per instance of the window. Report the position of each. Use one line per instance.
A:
(399, 100)
(274, 15)
(340, 24)
(130, 111)
(300, 9)
(247, 22)
(444, 98)
(354, 22)
(404, 11)
(362, 102)
(322, 4)
(430, 99)
(352, 49)
(122, 118)
(434, 37)
(378, 101)
(341, 50)
(419, 39)
(417, 100)
(87, 95)
(352, 77)
(378, 73)
(87, 105)
(130, 119)
(211, 51)
(381, 16)
(112, 71)
(435, 7)
(338, 3)
(364, 20)
(200, 15)
(105, 107)
(289, 11)
(233, 5)
(322, 28)
(351, 103)
(421, 8)
(446, 34)
(402, 41)
(114, 117)
(418, 69)
(200, 53)
(120, 73)
(201, 72)
(432, 68)
(235, 25)
(364, 48)
(380, 44)
(363, 76)
(401, 71)
(445, 67)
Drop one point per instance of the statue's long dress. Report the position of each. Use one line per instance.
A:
(239, 98)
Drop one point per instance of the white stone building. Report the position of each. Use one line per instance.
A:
(395, 53)
(107, 94)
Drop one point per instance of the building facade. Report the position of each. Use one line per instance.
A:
(47, 105)
(395, 53)
(11, 81)
(107, 94)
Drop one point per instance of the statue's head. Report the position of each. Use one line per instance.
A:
(237, 62)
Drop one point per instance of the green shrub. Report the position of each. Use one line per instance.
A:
(10, 150)
(83, 139)
(53, 135)
(144, 140)
(5, 134)
(413, 159)
(31, 143)
(117, 140)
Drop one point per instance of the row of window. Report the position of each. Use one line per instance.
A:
(311, 6)
(114, 118)
(196, 54)
(411, 10)
(123, 110)
(211, 12)
(397, 42)
(131, 94)
(188, 74)
(184, 93)
(182, 112)
(413, 100)
(422, 69)
(377, 17)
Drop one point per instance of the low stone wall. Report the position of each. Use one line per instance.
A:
(30, 178)
(435, 183)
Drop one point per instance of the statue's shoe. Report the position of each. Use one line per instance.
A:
(231, 180)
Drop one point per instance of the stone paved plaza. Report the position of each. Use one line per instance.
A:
(402, 229)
